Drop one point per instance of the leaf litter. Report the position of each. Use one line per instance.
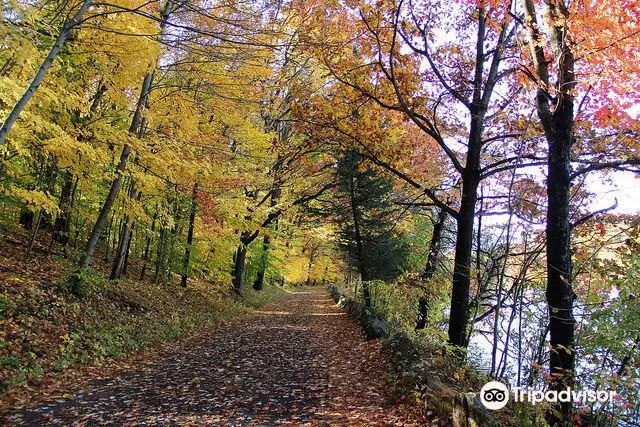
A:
(299, 361)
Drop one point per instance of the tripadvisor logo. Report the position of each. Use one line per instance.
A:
(494, 395)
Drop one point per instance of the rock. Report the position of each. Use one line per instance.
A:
(348, 302)
(334, 292)
(342, 302)
(403, 349)
(423, 372)
(479, 413)
(461, 414)
(468, 411)
(374, 325)
(355, 309)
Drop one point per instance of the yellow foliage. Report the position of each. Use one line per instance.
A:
(36, 200)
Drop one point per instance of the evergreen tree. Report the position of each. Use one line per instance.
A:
(368, 220)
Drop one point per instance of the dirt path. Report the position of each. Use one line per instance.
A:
(298, 361)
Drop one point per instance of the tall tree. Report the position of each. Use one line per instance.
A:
(186, 263)
(555, 74)
(368, 220)
(117, 181)
(247, 236)
(383, 66)
(136, 121)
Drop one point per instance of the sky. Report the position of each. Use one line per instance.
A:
(625, 186)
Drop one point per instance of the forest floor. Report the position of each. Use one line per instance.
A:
(50, 336)
(297, 361)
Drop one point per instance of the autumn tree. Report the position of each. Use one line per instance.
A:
(296, 199)
(134, 129)
(565, 55)
(453, 100)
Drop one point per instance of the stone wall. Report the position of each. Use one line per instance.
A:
(374, 325)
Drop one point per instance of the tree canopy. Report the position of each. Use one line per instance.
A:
(445, 154)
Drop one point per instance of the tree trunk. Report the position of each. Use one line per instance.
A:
(124, 242)
(102, 89)
(115, 185)
(160, 257)
(313, 252)
(560, 295)
(434, 246)
(77, 226)
(72, 205)
(145, 259)
(172, 236)
(123, 246)
(106, 208)
(136, 120)
(557, 119)
(187, 249)
(62, 223)
(107, 246)
(128, 249)
(359, 246)
(138, 126)
(482, 91)
(430, 266)
(51, 173)
(309, 267)
(42, 71)
(32, 240)
(461, 283)
(258, 285)
(239, 264)
(121, 259)
(240, 257)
